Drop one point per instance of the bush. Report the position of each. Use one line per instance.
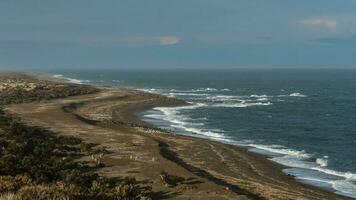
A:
(38, 164)
(8, 196)
(42, 192)
(171, 180)
(18, 91)
(131, 191)
(11, 184)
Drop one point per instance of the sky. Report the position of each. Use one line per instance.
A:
(135, 34)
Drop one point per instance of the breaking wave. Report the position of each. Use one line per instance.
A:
(71, 80)
(303, 165)
(297, 94)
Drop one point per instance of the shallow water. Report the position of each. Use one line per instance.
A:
(305, 119)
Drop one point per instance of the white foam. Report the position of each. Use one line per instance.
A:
(181, 122)
(259, 96)
(315, 169)
(200, 90)
(71, 80)
(199, 131)
(297, 94)
(77, 81)
(342, 187)
(187, 94)
(208, 89)
(283, 151)
(57, 76)
(346, 175)
(154, 116)
(241, 104)
(116, 81)
(346, 188)
(262, 99)
(292, 161)
(319, 165)
(296, 159)
(323, 162)
(151, 90)
(222, 97)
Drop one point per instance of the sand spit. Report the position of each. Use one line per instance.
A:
(212, 170)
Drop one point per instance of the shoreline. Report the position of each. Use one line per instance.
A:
(137, 119)
(264, 159)
(217, 163)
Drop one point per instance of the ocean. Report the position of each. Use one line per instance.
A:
(304, 119)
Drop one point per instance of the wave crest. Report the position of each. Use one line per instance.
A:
(70, 80)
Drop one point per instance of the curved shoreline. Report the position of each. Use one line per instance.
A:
(230, 172)
(260, 157)
(274, 169)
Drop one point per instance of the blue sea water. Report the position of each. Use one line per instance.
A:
(304, 119)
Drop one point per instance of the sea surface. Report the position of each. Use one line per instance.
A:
(304, 119)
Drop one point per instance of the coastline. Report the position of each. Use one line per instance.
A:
(270, 167)
(227, 171)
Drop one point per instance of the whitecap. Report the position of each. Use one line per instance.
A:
(179, 121)
(346, 175)
(210, 89)
(223, 97)
(241, 104)
(283, 151)
(259, 96)
(150, 90)
(116, 81)
(293, 161)
(199, 131)
(262, 99)
(225, 90)
(57, 76)
(186, 94)
(323, 162)
(297, 94)
(71, 80)
(204, 90)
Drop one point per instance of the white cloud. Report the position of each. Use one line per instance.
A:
(331, 24)
(94, 40)
(326, 26)
(169, 40)
(146, 40)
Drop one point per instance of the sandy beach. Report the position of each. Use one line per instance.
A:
(213, 170)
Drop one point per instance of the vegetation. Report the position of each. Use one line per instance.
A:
(19, 88)
(171, 180)
(38, 164)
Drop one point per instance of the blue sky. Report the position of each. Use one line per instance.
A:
(178, 34)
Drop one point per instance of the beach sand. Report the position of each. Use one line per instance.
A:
(214, 170)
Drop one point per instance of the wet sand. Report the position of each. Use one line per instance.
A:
(214, 170)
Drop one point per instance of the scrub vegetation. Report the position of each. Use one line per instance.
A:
(21, 88)
(38, 164)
